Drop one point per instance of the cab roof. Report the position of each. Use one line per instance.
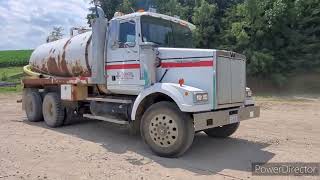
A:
(156, 15)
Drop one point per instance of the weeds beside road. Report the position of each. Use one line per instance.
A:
(11, 75)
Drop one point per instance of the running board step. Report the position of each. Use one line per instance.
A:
(112, 100)
(116, 121)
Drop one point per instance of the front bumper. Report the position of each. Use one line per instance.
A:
(213, 119)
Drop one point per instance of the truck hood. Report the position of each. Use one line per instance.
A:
(220, 73)
(194, 66)
(184, 53)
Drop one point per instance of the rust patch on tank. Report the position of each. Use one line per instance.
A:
(53, 67)
(62, 62)
(64, 67)
(77, 68)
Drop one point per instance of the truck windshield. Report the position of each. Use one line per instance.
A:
(165, 33)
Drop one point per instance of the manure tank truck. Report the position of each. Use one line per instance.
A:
(142, 71)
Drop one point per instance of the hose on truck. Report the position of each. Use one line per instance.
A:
(27, 69)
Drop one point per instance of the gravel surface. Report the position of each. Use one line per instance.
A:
(288, 131)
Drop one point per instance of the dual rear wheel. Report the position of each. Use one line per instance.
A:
(53, 111)
(49, 109)
(33, 106)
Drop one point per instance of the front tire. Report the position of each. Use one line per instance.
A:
(223, 131)
(166, 130)
(53, 111)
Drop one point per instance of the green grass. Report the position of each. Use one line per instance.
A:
(11, 74)
(16, 89)
(11, 63)
(14, 58)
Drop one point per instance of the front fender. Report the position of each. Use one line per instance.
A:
(181, 95)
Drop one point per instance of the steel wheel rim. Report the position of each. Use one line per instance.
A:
(163, 130)
(48, 110)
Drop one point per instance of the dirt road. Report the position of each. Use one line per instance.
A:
(288, 131)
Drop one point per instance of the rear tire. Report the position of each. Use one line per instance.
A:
(223, 131)
(33, 106)
(166, 130)
(53, 111)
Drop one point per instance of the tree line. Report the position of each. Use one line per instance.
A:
(278, 37)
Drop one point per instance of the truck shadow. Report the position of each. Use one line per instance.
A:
(207, 156)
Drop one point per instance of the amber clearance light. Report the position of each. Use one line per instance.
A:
(181, 81)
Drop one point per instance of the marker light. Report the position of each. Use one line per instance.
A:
(181, 81)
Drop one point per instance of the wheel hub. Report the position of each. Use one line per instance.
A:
(163, 130)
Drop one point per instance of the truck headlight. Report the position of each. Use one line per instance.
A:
(248, 92)
(200, 97)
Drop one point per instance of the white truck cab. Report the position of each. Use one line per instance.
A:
(142, 70)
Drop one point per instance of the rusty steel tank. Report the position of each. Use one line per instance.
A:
(68, 57)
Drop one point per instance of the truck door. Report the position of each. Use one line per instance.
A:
(122, 66)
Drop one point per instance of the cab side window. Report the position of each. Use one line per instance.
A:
(127, 34)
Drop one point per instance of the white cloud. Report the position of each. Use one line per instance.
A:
(25, 24)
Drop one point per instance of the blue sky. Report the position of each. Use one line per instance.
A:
(25, 24)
